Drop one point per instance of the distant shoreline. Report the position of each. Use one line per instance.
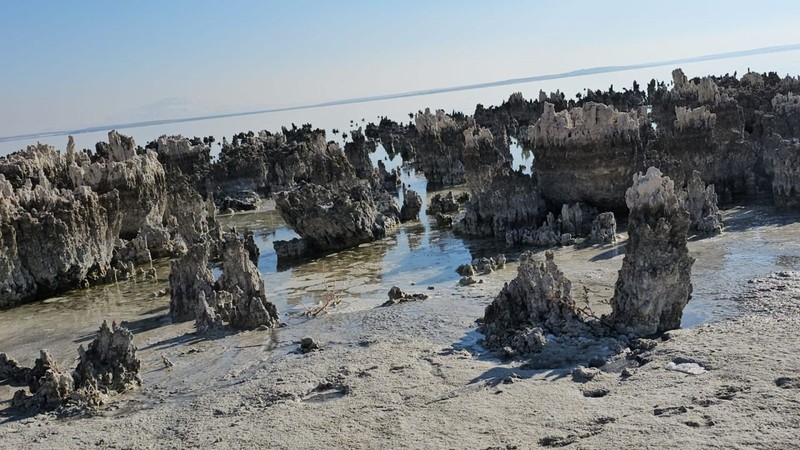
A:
(467, 87)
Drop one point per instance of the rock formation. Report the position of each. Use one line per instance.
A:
(110, 363)
(239, 201)
(576, 219)
(569, 144)
(483, 154)
(252, 248)
(786, 181)
(331, 221)
(654, 284)
(708, 125)
(412, 204)
(396, 138)
(357, 152)
(440, 149)
(190, 278)
(537, 302)
(388, 181)
(445, 204)
(189, 218)
(397, 296)
(238, 297)
(140, 180)
(513, 115)
(53, 239)
(207, 318)
(604, 229)
(483, 266)
(80, 219)
(186, 158)
(511, 201)
(548, 234)
(50, 387)
(701, 203)
(241, 279)
(291, 250)
(11, 370)
(786, 112)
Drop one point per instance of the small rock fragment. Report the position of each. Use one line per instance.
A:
(583, 374)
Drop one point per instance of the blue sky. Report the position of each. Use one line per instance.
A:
(80, 63)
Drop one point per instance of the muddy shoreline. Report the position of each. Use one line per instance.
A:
(414, 377)
(410, 371)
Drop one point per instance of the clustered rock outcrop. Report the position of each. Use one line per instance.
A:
(700, 202)
(109, 366)
(83, 218)
(189, 279)
(412, 204)
(330, 220)
(110, 363)
(333, 198)
(568, 145)
(535, 303)
(446, 203)
(440, 148)
(723, 127)
(726, 128)
(482, 266)
(653, 287)
(398, 296)
(786, 169)
(396, 138)
(241, 289)
(604, 229)
(53, 239)
(511, 201)
(654, 284)
(238, 297)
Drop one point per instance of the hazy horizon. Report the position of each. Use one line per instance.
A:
(389, 96)
(88, 64)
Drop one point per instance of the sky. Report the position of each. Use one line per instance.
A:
(70, 64)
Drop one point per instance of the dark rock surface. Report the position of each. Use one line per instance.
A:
(50, 386)
(357, 151)
(511, 201)
(182, 157)
(396, 138)
(604, 229)
(786, 181)
(444, 204)
(190, 278)
(109, 366)
(537, 302)
(53, 239)
(654, 284)
(412, 204)
(331, 221)
(241, 280)
(701, 203)
(569, 144)
(398, 296)
(440, 149)
(110, 363)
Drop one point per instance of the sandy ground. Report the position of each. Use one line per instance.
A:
(411, 376)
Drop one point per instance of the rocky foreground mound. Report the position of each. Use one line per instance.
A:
(109, 366)
(653, 287)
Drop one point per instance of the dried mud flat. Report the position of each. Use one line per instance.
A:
(411, 376)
